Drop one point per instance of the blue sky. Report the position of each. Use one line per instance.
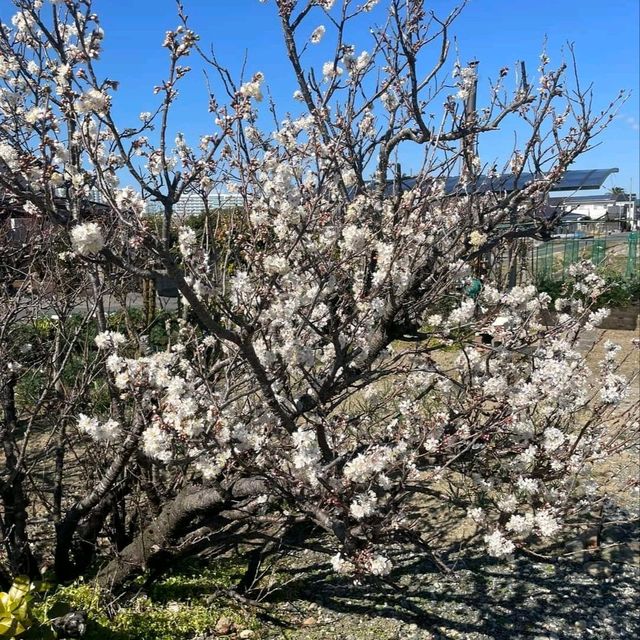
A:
(496, 32)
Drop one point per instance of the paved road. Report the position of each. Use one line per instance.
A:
(111, 305)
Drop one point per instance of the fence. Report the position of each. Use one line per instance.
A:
(551, 259)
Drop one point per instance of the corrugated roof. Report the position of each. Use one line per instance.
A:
(604, 198)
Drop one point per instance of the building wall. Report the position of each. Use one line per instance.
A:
(594, 211)
(192, 203)
(620, 210)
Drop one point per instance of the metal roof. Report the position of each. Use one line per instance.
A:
(603, 197)
(608, 198)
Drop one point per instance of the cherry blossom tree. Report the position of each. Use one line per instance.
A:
(333, 360)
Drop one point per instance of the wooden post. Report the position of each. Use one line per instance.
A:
(149, 300)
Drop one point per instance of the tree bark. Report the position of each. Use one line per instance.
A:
(66, 529)
(150, 546)
(14, 500)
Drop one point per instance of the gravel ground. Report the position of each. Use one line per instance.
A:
(595, 593)
(480, 600)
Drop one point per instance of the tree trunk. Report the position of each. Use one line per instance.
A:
(14, 500)
(66, 529)
(150, 547)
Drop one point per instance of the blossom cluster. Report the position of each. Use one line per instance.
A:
(87, 238)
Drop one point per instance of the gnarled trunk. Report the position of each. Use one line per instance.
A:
(12, 494)
(150, 546)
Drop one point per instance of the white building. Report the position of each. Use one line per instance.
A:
(95, 195)
(192, 203)
(610, 207)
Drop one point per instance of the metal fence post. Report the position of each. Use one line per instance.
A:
(598, 251)
(632, 255)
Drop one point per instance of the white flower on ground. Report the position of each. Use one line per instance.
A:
(341, 565)
(31, 209)
(498, 546)
(520, 524)
(87, 239)
(477, 239)
(476, 514)
(508, 504)
(546, 522)
(379, 565)
(527, 485)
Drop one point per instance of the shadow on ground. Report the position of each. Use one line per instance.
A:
(480, 599)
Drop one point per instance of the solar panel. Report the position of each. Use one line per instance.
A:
(573, 180)
(578, 179)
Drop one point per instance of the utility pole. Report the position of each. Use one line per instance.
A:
(632, 207)
(513, 217)
(469, 143)
(469, 153)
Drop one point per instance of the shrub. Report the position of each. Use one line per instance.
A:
(618, 290)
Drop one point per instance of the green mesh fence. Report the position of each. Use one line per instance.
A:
(544, 260)
(632, 255)
(602, 251)
(571, 253)
(598, 250)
